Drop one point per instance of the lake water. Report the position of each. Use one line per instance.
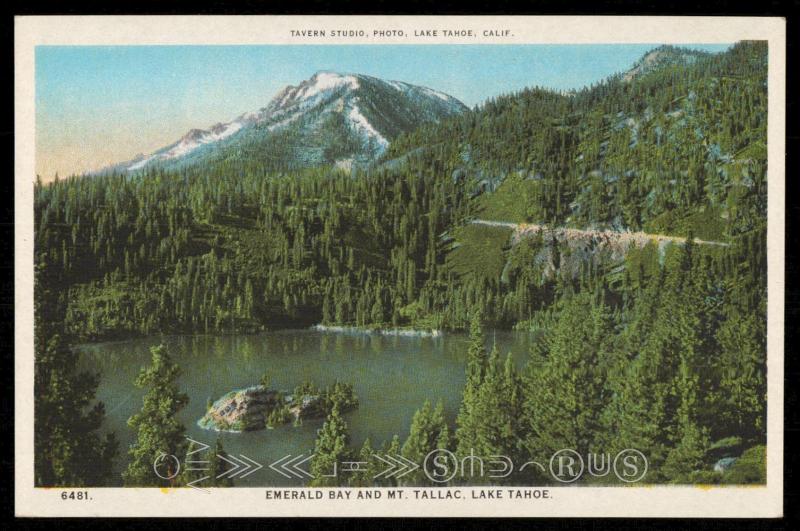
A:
(392, 376)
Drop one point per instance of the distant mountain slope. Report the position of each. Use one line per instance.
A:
(662, 57)
(331, 118)
(674, 145)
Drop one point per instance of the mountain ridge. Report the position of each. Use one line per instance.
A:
(661, 57)
(332, 117)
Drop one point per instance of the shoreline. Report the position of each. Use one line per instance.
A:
(357, 330)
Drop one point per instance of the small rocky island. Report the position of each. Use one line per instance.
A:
(259, 407)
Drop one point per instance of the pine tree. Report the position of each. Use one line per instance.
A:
(368, 467)
(741, 397)
(688, 457)
(564, 395)
(499, 410)
(160, 435)
(477, 360)
(391, 448)
(428, 432)
(69, 451)
(694, 314)
(330, 450)
(218, 466)
(658, 407)
(489, 416)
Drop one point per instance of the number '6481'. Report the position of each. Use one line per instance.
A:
(75, 495)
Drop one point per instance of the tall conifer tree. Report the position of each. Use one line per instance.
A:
(160, 436)
(69, 450)
(330, 450)
(477, 362)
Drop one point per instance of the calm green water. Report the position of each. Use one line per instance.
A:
(392, 376)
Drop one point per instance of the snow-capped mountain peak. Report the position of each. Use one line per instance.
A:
(324, 80)
(335, 118)
(322, 83)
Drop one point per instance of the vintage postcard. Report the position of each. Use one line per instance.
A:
(382, 266)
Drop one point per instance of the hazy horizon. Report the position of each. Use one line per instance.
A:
(97, 105)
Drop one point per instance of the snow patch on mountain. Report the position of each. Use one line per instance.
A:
(283, 123)
(326, 81)
(141, 164)
(196, 138)
(436, 93)
(363, 126)
(399, 85)
(309, 93)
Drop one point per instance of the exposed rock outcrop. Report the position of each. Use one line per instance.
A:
(257, 407)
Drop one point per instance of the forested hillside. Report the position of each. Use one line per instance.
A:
(676, 333)
(677, 150)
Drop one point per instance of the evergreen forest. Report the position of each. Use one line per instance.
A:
(648, 343)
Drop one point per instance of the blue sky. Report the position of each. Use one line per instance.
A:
(100, 104)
